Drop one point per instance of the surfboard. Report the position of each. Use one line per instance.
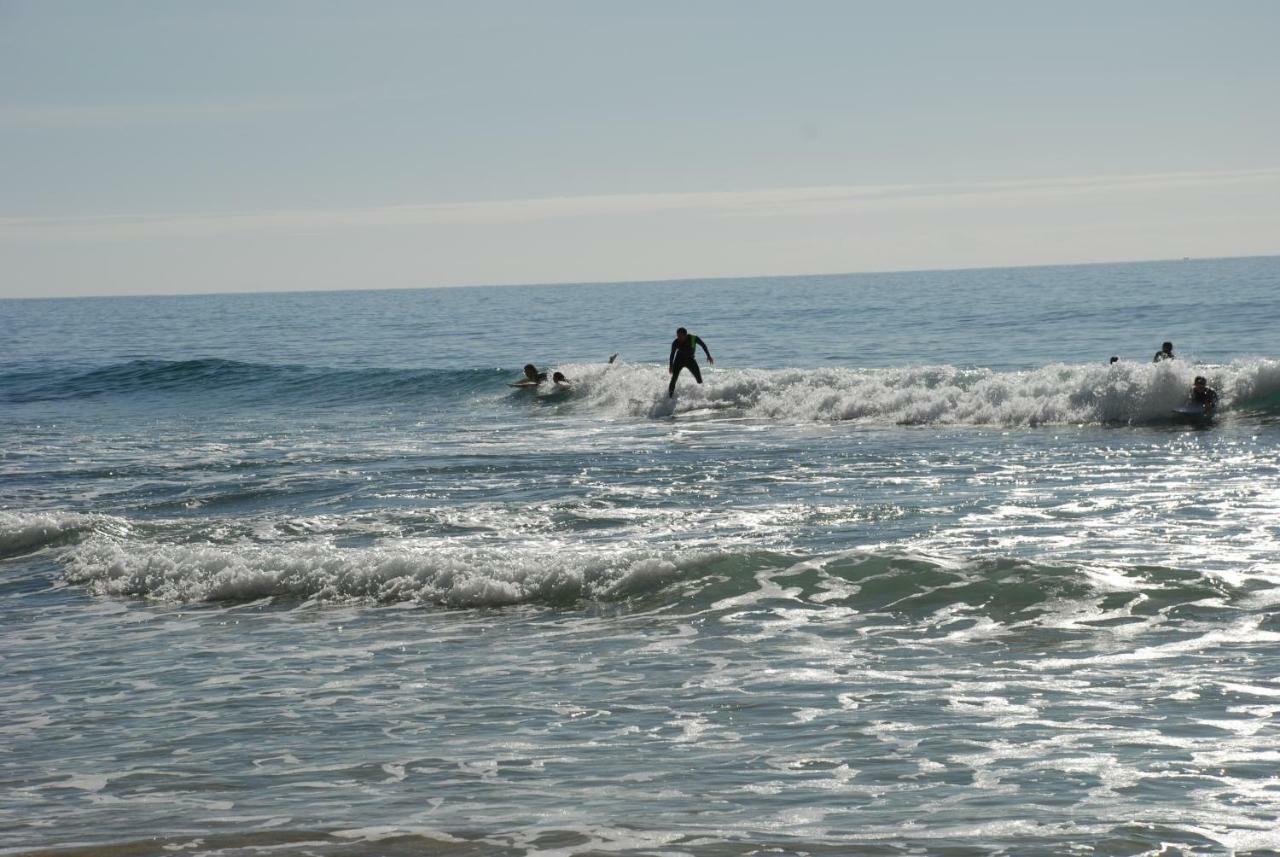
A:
(1193, 414)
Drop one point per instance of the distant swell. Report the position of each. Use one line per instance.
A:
(254, 381)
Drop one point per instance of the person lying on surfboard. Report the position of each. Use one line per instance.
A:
(1204, 395)
(532, 377)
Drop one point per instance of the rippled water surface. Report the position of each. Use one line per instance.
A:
(914, 571)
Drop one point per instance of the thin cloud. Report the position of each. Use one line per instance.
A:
(124, 115)
(777, 202)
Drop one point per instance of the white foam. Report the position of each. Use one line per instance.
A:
(1243, 840)
(1250, 689)
(1244, 631)
(85, 782)
(435, 571)
(1058, 393)
(387, 831)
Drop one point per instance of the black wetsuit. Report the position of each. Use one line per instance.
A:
(684, 356)
(1205, 397)
(1162, 355)
(526, 381)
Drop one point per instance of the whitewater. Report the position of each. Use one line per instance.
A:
(915, 570)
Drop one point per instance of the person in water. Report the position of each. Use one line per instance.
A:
(1115, 359)
(684, 356)
(1204, 395)
(1165, 353)
(532, 377)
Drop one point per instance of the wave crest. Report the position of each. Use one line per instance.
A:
(1060, 393)
(932, 395)
(27, 533)
(888, 584)
(477, 577)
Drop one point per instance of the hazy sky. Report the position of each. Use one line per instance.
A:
(162, 146)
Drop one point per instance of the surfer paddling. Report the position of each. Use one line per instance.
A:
(532, 377)
(684, 356)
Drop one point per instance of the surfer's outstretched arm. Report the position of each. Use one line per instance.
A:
(671, 361)
(703, 343)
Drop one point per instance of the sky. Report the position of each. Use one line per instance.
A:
(250, 145)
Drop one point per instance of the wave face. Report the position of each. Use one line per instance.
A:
(921, 395)
(26, 533)
(181, 379)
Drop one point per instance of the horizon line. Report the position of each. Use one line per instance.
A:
(660, 281)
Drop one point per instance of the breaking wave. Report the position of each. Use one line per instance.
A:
(920, 589)
(932, 395)
(440, 575)
(1135, 393)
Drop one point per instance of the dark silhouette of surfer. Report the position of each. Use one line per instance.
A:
(1204, 395)
(684, 356)
(532, 377)
(1165, 353)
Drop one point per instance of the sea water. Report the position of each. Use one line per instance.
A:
(915, 570)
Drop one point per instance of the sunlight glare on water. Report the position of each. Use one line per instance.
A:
(887, 582)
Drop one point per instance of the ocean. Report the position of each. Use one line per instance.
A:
(915, 570)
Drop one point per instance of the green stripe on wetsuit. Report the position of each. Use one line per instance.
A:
(688, 350)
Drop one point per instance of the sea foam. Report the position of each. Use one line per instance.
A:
(930, 395)
(429, 574)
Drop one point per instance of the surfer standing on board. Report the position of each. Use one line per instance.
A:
(684, 356)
